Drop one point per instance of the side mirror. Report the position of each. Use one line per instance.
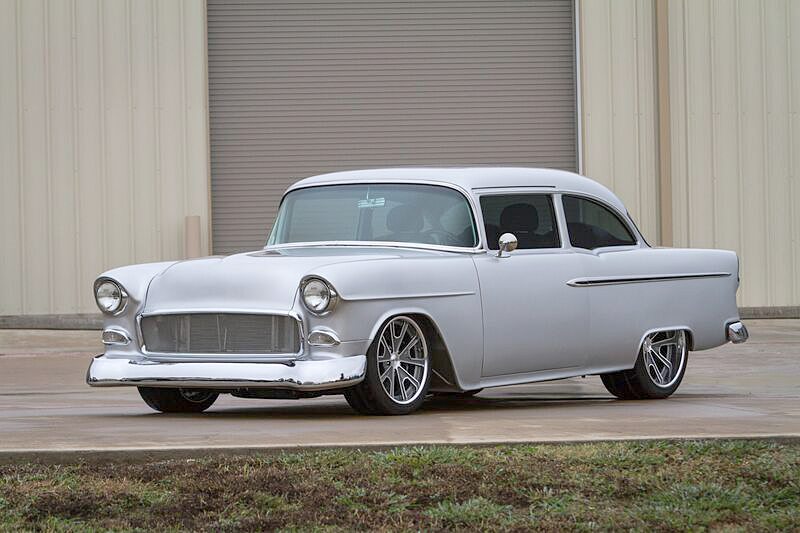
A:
(506, 243)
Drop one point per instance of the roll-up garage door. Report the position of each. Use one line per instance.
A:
(299, 88)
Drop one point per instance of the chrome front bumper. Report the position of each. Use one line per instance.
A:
(309, 375)
(736, 332)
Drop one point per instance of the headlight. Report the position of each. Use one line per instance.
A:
(110, 296)
(318, 296)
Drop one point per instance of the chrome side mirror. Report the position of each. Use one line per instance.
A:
(506, 243)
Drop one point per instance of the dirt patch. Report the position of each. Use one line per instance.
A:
(647, 486)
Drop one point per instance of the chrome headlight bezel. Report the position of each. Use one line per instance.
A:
(332, 297)
(123, 296)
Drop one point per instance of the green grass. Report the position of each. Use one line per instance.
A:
(639, 486)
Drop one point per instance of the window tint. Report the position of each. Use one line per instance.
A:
(529, 217)
(590, 225)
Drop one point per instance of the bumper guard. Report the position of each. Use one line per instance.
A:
(736, 332)
(301, 375)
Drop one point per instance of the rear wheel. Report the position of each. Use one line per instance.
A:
(178, 400)
(398, 370)
(658, 371)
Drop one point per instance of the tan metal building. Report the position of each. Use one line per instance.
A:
(122, 118)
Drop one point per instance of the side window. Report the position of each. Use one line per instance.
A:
(529, 217)
(590, 225)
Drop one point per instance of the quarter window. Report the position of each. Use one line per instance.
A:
(590, 225)
(529, 217)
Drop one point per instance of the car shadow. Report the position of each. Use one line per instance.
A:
(333, 407)
(309, 410)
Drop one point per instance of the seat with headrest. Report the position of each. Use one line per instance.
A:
(522, 220)
(405, 223)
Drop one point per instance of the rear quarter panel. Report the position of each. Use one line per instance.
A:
(621, 314)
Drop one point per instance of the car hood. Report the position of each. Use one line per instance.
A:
(265, 280)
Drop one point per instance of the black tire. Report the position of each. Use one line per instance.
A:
(369, 396)
(177, 400)
(638, 384)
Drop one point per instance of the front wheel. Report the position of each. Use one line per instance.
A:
(658, 371)
(178, 400)
(398, 370)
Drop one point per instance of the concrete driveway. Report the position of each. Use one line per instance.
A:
(733, 391)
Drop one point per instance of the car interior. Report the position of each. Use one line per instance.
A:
(522, 218)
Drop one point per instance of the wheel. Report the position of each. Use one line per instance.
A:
(398, 371)
(658, 371)
(178, 400)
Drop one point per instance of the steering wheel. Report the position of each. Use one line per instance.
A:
(440, 236)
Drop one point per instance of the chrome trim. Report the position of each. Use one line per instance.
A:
(504, 188)
(334, 298)
(411, 296)
(303, 375)
(324, 331)
(620, 280)
(376, 244)
(222, 357)
(506, 243)
(122, 291)
(736, 332)
(119, 331)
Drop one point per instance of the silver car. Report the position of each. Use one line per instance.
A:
(390, 285)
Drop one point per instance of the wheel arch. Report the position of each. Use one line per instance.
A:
(444, 376)
(688, 329)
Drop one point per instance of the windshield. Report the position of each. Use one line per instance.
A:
(422, 214)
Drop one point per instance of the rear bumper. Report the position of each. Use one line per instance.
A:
(312, 375)
(736, 332)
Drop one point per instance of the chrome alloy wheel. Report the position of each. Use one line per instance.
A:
(402, 358)
(664, 355)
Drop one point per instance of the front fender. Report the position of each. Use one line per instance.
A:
(135, 280)
(443, 289)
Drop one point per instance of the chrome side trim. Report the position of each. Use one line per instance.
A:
(407, 296)
(303, 375)
(620, 280)
(736, 332)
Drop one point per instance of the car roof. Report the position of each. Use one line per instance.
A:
(473, 179)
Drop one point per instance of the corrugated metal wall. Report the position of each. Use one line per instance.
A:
(299, 88)
(735, 97)
(734, 92)
(618, 105)
(103, 143)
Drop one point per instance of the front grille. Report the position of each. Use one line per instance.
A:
(221, 333)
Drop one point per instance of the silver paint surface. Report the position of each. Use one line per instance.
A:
(531, 315)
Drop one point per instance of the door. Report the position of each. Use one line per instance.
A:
(620, 301)
(533, 321)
